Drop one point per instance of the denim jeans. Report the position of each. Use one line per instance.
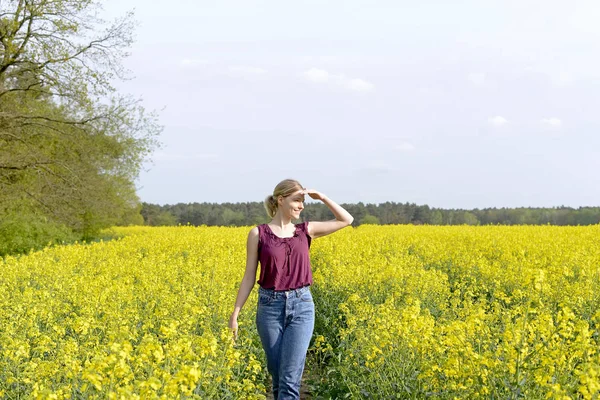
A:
(285, 321)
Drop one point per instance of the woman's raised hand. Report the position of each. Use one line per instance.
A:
(314, 194)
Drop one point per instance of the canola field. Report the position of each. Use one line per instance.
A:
(405, 312)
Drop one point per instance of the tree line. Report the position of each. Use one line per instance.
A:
(71, 146)
(253, 213)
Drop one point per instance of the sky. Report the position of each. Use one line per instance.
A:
(463, 104)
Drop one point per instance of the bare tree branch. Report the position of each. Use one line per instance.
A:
(25, 166)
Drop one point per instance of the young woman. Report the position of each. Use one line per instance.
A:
(285, 314)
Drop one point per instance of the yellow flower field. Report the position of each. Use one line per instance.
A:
(402, 312)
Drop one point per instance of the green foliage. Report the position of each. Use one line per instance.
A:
(389, 213)
(131, 216)
(369, 219)
(71, 147)
(165, 218)
(436, 218)
(22, 232)
(465, 217)
(153, 215)
(231, 218)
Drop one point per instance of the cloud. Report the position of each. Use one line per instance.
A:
(557, 77)
(498, 120)
(321, 76)
(320, 59)
(376, 167)
(246, 70)
(359, 85)
(551, 122)
(192, 62)
(562, 78)
(317, 75)
(429, 92)
(476, 78)
(404, 147)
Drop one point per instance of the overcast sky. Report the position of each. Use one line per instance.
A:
(454, 104)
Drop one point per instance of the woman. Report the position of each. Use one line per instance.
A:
(285, 314)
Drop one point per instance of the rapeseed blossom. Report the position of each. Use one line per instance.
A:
(402, 312)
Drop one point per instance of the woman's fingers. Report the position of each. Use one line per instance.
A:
(233, 325)
(312, 193)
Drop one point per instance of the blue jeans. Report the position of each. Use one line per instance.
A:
(285, 321)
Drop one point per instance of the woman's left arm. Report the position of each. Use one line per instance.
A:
(321, 228)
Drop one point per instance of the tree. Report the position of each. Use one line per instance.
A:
(70, 145)
(586, 216)
(165, 218)
(230, 217)
(436, 217)
(421, 215)
(466, 217)
(369, 219)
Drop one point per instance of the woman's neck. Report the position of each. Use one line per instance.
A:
(281, 222)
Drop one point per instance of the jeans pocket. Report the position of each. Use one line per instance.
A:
(264, 299)
(306, 296)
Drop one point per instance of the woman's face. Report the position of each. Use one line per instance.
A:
(293, 204)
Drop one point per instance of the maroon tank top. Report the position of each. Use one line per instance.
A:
(284, 262)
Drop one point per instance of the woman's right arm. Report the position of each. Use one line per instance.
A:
(249, 278)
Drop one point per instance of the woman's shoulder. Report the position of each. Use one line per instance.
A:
(254, 232)
(258, 229)
(302, 225)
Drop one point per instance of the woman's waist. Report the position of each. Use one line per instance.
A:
(283, 293)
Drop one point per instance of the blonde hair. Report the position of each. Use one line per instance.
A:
(284, 188)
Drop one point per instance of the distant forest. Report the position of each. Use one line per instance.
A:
(253, 213)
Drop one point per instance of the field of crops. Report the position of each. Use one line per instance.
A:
(402, 312)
